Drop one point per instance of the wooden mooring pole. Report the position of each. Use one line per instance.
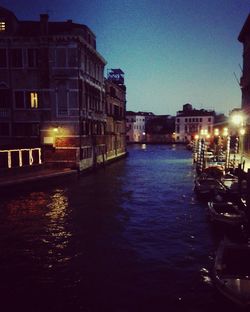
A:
(248, 195)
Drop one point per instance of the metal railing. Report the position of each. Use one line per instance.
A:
(20, 157)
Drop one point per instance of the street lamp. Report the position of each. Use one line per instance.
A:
(238, 121)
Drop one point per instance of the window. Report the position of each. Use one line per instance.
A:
(19, 99)
(4, 129)
(200, 119)
(209, 119)
(3, 58)
(26, 129)
(2, 26)
(72, 57)
(60, 57)
(16, 58)
(4, 99)
(178, 120)
(112, 92)
(186, 119)
(32, 99)
(33, 57)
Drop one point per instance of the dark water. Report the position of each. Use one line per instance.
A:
(130, 237)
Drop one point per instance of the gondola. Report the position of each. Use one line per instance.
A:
(232, 272)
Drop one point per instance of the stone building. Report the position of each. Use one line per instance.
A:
(244, 38)
(136, 126)
(160, 129)
(190, 122)
(116, 110)
(52, 91)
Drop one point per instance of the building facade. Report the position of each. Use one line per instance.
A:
(244, 38)
(190, 122)
(52, 90)
(116, 110)
(160, 129)
(136, 126)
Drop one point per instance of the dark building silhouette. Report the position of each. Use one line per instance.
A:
(244, 38)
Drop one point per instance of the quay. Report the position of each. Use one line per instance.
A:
(37, 173)
(33, 175)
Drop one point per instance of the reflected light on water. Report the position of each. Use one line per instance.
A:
(58, 205)
(31, 205)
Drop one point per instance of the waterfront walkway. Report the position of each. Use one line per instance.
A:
(13, 178)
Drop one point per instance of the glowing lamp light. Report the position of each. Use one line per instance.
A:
(208, 136)
(237, 119)
(196, 136)
(225, 132)
(242, 131)
(55, 129)
(216, 131)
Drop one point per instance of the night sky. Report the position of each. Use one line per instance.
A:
(172, 51)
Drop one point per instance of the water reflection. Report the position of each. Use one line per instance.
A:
(129, 237)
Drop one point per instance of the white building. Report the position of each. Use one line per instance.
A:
(190, 122)
(136, 126)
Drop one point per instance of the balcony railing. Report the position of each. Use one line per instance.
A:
(4, 112)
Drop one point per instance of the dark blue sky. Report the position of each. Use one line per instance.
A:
(172, 51)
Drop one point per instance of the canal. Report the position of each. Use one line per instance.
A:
(128, 237)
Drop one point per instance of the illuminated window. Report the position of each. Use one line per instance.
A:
(2, 26)
(33, 100)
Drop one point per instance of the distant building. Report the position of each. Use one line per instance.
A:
(136, 126)
(52, 91)
(190, 121)
(160, 129)
(116, 110)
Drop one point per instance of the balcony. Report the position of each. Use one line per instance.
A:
(4, 112)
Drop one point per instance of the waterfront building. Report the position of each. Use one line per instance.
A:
(52, 91)
(190, 121)
(244, 38)
(160, 129)
(115, 109)
(136, 126)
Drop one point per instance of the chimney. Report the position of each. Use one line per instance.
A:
(44, 18)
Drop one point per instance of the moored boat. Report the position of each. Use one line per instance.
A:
(206, 187)
(232, 272)
(227, 213)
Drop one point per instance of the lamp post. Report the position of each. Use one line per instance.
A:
(238, 122)
(241, 147)
(226, 135)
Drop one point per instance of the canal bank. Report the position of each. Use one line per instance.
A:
(32, 175)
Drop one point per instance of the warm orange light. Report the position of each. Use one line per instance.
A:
(216, 131)
(225, 131)
(242, 131)
(34, 100)
(2, 26)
